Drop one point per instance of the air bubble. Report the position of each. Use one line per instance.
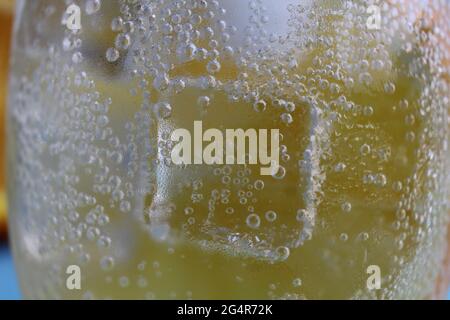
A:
(339, 167)
(107, 263)
(364, 236)
(117, 24)
(104, 242)
(112, 54)
(389, 87)
(410, 119)
(302, 215)
(125, 206)
(282, 253)
(213, 66)
(286, 118)
(77, 57)
(404, 104)
(122, 41)
(161, 82)
(380, 180)
(124, 281)
(92, 6)
(280, 173)
(191, 220)
(162, 110)
(179, 85)
(271, 216)
(229, 210)
(203, 101)
(259, 184)
(297, 282)
(410, 136)
(397, 186)
(253, 221)
(364, 150)
(346, 207)
(368, 111)
(259, 106)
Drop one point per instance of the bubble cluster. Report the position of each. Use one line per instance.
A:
(363, 122)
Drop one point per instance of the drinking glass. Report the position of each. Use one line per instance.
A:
(137, 132)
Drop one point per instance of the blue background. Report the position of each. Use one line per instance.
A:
(9, 288)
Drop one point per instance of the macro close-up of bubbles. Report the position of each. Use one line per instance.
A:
(348, 101)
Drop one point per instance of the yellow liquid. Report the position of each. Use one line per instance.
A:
(361, 186)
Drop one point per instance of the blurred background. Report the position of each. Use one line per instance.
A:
(8, 281)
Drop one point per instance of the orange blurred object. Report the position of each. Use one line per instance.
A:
(6, 20)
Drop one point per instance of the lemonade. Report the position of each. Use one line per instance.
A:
(362, 176)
